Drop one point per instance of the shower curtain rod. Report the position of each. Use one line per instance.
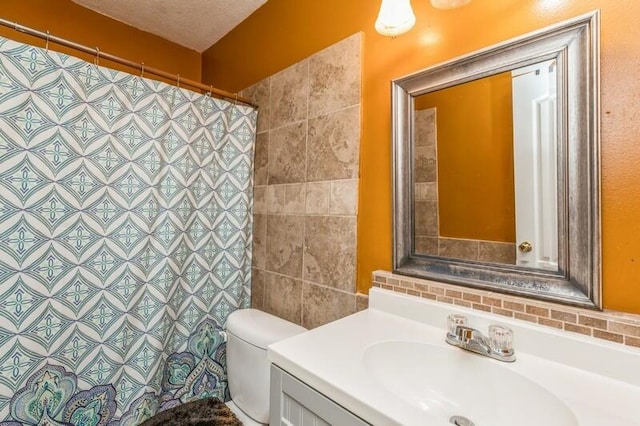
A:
(143, 69)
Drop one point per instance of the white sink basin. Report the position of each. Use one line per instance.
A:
(446, 381)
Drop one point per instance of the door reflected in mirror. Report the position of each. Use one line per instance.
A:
(485, 169)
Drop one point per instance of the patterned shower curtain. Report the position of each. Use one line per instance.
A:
(125, 240)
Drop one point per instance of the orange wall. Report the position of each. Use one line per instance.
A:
(475, 159)
(65, 19)
(283, 32)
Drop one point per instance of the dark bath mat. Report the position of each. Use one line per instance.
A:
(204, 412)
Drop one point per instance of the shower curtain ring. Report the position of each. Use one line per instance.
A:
(97, 59)
(46, 45)
(210, 90)
(178, 80)
(142, 69)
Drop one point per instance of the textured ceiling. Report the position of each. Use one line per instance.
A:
(196, 24)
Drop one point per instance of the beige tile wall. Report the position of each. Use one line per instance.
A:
(608, 325)
(306, 187)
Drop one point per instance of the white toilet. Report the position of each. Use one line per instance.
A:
(249, 332)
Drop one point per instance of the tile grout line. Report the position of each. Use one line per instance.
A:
(304, 213)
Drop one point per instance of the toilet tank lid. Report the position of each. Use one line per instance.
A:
(260, 328)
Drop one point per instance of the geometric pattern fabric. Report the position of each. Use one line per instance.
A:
(125, 240)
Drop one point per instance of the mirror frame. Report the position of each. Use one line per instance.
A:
(575, 46)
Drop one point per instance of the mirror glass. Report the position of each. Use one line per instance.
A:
(496, 159)
(485, 169)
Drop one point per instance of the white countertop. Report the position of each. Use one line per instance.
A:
(599, 381)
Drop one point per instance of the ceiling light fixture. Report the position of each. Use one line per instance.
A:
(396, 17)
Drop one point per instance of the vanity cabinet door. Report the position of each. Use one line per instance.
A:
(295, 404)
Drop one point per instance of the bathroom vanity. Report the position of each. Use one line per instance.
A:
(390, 365)
(295, 403)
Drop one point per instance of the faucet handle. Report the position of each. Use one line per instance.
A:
(453, 321)
(501, 338)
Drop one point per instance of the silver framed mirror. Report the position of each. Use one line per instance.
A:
(496, 167)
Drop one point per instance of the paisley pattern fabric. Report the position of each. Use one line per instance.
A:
(125, 240)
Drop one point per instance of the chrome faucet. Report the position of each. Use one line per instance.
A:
(496, 346)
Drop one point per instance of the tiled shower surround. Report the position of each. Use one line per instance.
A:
(306, 187)
(608, 325)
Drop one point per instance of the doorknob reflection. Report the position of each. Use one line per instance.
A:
(525, 247)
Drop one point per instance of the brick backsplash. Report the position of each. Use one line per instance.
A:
(607, 325)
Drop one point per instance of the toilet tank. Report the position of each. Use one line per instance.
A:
(249, 333)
